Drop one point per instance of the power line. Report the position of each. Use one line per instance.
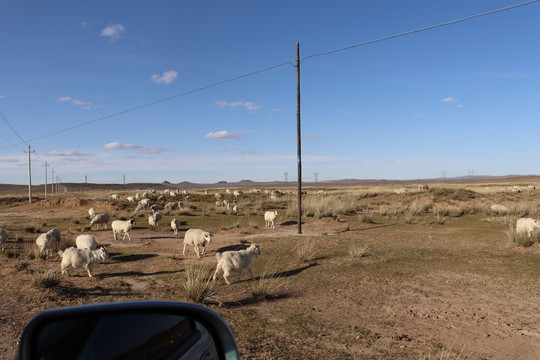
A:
(452, 22)
(11, 127)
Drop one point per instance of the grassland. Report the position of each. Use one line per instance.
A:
(374, 274)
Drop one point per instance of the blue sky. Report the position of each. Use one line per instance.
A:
(458, 98)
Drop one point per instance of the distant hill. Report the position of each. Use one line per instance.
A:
(186, 185)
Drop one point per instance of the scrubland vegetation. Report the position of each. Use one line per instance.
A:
(434, 274)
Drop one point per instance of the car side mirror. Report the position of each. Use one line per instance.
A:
(128, 330)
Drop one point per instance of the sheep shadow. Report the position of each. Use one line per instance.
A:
(290, 223)
(371, 228)
(132, 257)
(96, 291)
(138, 273)
(287, 273)
(251, 300)
(236, 247)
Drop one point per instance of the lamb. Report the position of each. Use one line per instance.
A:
(527, 225)
(175, 225)
(49, 240)
(153, 220)
(86, 241)
(3, 238)
(122, 226)
(236, 260)
(197, 238)
(269, 218)
(84, 258)
(100, 219)
(92, 213)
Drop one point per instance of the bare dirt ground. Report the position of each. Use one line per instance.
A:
(457, 290)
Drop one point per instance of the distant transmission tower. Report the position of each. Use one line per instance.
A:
(286, 175)
(471, 174)
(444, 175)
(316, 176)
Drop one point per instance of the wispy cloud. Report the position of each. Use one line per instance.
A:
(449, 100)
(9, 160)
(86, 105)
(136, 148)
(165, 79)
(84, 24)
(223, 135)
(452, 100)
(113, 32)
(3, 96)
(69, 153)
(245, 104)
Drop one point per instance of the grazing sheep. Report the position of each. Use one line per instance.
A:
(122, 226)
(175, 225)
(515, 189)
(162, 198)
(154, 208)
(197, 238)
(49, 240)
(217, 196)
(401, 191)
(84, 258)
(153, 220)
(530, 187)
(86, 241)
(527, 225)
(236, 260)
(144, 203)
(137, 196)
(424, 187)
(321, 192)
(218, 203)
(171, 206)
(3, 238)
(114, 197)
(92, 213)
(238, 193)
(498, 209)
(100, 219)
(131, 199)
(235, 209)
(270, 217)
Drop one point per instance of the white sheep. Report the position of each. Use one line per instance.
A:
(100, 219)
(498, 209)
(3, 238)
(175, 225)
(238, 193)
(527, 225)
(321, 192)
(144, 203)
(122, 226)
(84, 258)
(48, 241)
(401, 191)
(235, 209)
(173, 205)
(530, 187)
(114, 197)
(86, 241)
(197, 238)
(92, 213)
(131, 199)
(270, 217)
(217, 196)
(236, 260)
(153, 220)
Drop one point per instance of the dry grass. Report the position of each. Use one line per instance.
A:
(305, 251)
(48, 279)
(199, 286)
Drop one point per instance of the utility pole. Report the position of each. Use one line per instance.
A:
(52, 181)
(299, 138)
(45, 179)
(286, 175)
(85, 181)
(29, 175)
(471, 174)
(124, 179)
(316, 176)
(444, 175)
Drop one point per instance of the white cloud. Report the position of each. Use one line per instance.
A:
(3, 96)
(86, 105)
(245, 104)
(132, 147)
(167, 77)
(224, 135)
(69, 153)
(84, 24)
(113, 31)
(449, 100)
